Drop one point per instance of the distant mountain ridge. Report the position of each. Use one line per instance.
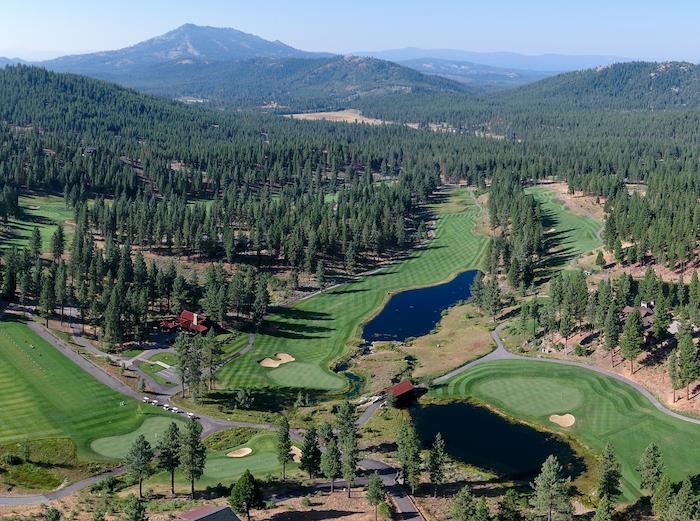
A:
(470, 73)
(625, 86)
(229, 68)
(553, 63)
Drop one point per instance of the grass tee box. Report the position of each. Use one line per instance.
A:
(605, 410)
(44, 395)
(316, 331)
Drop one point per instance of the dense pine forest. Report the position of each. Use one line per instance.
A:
(145, 174)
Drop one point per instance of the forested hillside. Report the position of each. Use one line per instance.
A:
(145, 174)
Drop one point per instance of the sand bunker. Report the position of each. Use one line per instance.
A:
(565, 420)
(240, 453)
(296, 454)
(280, 358)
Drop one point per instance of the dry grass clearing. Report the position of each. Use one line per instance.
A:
(380, 369)
(460, 338)
(341, 116)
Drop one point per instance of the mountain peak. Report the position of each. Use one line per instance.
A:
(186, 44)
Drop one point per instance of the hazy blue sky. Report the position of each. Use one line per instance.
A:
(660, 29)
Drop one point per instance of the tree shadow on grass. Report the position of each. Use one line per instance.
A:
(294, 330)
(265, 399)
(300, 314)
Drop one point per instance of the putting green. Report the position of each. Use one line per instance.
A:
(116, 447)
(262, 461)
(605, 410)
(318, 330)
(45, 395)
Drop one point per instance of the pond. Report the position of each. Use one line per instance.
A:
(477, 436)
(416, 312)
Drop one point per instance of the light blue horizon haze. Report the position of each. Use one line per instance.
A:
(642, 29)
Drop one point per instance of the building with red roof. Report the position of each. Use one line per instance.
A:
(403, 392)
(186, 321)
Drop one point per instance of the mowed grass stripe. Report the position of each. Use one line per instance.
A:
(605, 410)
(318, 330)
(43, 394)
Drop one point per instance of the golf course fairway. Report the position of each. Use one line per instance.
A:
(318, 330)
(45, 394)
(605, 409)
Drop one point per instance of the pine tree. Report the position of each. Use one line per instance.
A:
(193, 453)
(661, 499)
(437, 461)
(135, 510)
(651, 467)
(600, 260)
(611, 330)
(320, 274)
(246, 494)
(311, 453)
(508, 508)
(330, 460)
(35, 244)
(138, 460)
(688, 365)
(673, 372)
(409, 454)
(463, 506)
(609, 480)
(632, 339)
(481, 512)
(683, 506)
(168, 453)
(551, 497)
(349, 457)
(604, 512)
(58, 242)
(284, 445)
(47, 299)
(375, 492)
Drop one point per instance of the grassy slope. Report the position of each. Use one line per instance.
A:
(318, 330)
(44, 395)
(44, 212)
(605, 410)
(572, 234)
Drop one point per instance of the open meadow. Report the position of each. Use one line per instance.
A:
(319, 330)
(605, 410)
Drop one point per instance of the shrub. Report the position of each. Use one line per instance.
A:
(579, 350)
(306, 502)
(386, 510)
(12, 459)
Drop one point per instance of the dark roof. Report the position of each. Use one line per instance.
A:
(210, 513)
(400, 388)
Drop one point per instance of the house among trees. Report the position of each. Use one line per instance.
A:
(646, 311)
(402, 393)
(186, 321)
(210, 513)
